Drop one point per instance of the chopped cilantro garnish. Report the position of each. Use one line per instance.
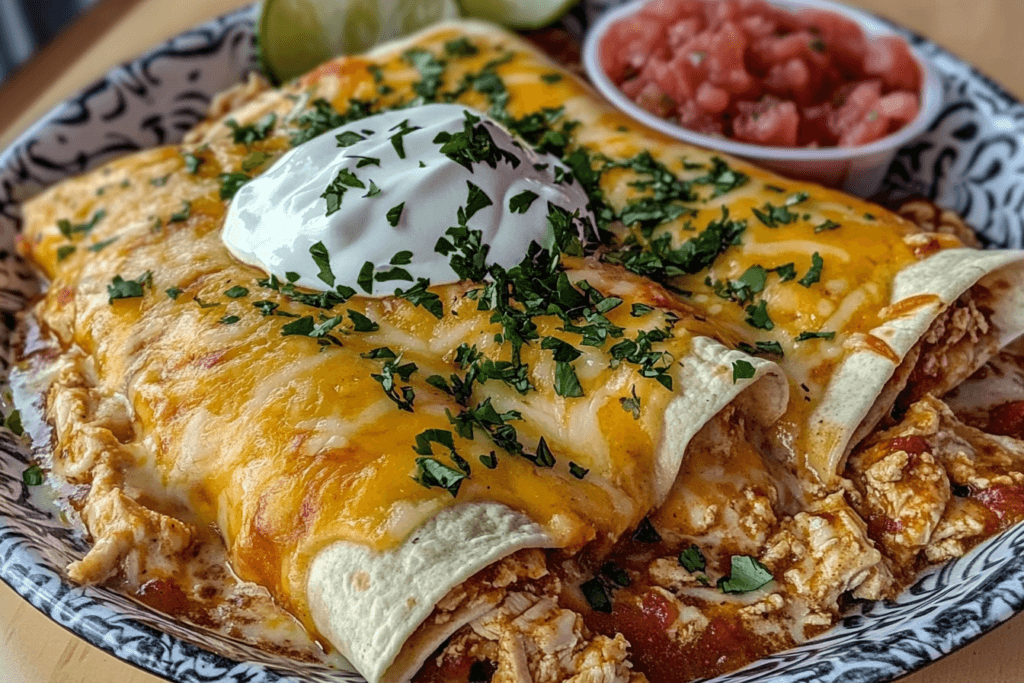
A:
(638, 310)
(401, 258)
(13, 422)
(477, 200)
(661, 262)
(429, 436)
(403, 397)
(692, 559)
(99, 246)
(722, 177)
(65, 251)
(827, 225)
(173, 292)
(814, 273)
(161, 181)
(431, 69)
(544, 457)
(596, 595)
(577, 471)
(774, 216)
(394, 214)
(473, 144)
(761, 348)
(229, 320)
(361, 323)
(522, 201)
(205, 304)
(432, 473)
(69, 229)
(805, 335)
(365, 277)
(786, 271)
(254, 160)
(253, 132)
(181, 216)
(461, 47)
(230, 183)
(653, 364)
(236, 292)
(336, 190)
(391, 274)
(617, 574)
(322, 259)
(747, 575)
(373, 191)
(797, 198)
(631, 404)
(646, 533)
(757, 316)
(398, 139)
(349, 138)
(567, 384)
(742, 369)
(192, 162)
(419, 296)
(323, 117)
(119, 288)
(33, 476)
(300, 327)
(551, 78)
(490, 461)
(365, 161)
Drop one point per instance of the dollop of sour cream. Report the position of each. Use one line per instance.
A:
(396, 191)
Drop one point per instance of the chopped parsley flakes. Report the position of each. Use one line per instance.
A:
(746, 575)
(251, 133)
(742, 369)
(814, 273)
(119, 288)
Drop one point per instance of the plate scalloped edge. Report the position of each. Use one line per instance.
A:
(971, 160)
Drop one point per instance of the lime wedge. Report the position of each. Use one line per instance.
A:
(517, 13)
(297, 35)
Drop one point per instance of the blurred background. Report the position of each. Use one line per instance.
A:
(27, 25)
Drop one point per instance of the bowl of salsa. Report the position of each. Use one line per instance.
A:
(810, 88)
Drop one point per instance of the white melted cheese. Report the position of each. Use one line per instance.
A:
(275, 219)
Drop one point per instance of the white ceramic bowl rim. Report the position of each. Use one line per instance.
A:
(931, 96)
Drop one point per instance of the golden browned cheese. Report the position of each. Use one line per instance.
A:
(286, 445)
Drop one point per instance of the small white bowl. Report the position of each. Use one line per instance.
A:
(858, 170)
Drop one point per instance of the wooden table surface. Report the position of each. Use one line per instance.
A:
(35, 650)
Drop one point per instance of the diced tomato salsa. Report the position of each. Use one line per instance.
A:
(749, 71)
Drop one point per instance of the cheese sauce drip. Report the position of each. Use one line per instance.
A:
(392, 183)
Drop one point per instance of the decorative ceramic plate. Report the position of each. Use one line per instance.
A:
(970, 160)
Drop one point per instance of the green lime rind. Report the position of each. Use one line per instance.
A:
(518, 14)
(294, 36)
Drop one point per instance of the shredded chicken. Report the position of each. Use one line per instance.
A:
(527, 635)
(905, 478)
(959, 342)
(930, 217)
(823, 552)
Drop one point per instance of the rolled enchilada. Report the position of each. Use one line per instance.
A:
(387, 509)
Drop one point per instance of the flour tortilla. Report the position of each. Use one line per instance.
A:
(370, 605)
(848, 410)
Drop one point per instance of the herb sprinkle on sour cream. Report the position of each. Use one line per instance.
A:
(391, 185)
